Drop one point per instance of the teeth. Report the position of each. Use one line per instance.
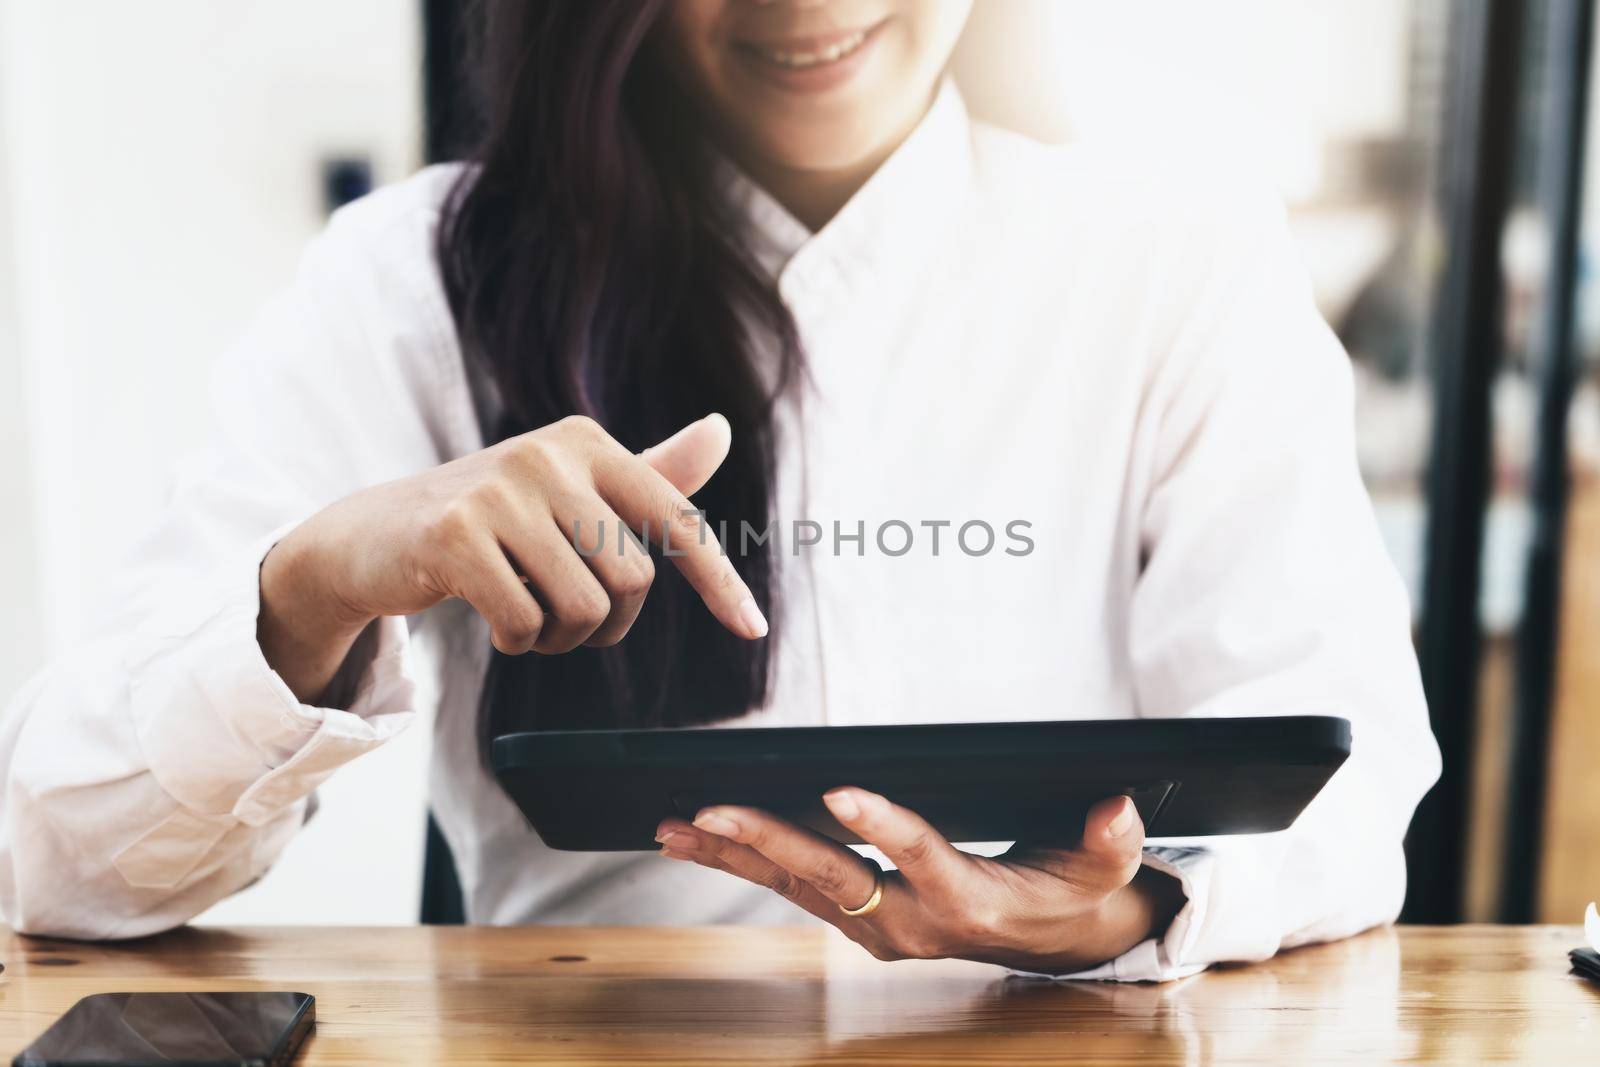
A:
(832, 54)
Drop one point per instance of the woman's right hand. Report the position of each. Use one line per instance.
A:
(477, 527)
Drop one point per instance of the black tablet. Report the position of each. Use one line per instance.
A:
(606, 790)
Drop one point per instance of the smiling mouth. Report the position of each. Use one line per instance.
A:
(796, 59)
(806, 54)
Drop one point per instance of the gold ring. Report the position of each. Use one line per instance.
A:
(874, 900)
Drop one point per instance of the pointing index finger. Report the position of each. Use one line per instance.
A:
(645, 500)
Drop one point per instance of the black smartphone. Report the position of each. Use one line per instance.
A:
(175, 1030)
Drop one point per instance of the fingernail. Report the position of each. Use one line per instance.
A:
(674, 854)
(843, 804)
(678, 839)
(1124, 819)
(755, 623)
(712, 823)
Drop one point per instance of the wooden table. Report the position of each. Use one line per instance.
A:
(442, 995)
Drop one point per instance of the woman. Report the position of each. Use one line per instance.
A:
(904, 321)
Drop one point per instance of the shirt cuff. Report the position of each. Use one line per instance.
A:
(222, 732)
(1168, 957)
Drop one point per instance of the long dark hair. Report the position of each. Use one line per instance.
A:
(591, 270)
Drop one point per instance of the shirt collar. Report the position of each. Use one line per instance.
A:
(888, 220)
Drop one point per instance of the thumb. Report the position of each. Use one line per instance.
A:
(691, 456)
(1113, 841)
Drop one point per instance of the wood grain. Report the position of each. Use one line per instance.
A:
(453, 995)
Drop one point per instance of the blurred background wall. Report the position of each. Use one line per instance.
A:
(162, 164)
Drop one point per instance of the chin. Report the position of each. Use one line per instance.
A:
(819, 147)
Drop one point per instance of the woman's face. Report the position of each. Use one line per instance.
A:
(811, 85)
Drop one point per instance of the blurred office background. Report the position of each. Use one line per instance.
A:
(162, 164)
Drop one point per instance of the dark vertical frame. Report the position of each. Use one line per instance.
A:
(447, 123)
(449, 103)
(1569, 31)
(443, 903)
(1478, 150)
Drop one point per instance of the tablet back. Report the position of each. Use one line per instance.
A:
(606, 790)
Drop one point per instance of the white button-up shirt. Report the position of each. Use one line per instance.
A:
(1119, 351)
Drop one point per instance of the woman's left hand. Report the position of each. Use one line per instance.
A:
(1037, 909)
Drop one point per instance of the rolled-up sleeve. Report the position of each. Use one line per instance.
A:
(207, 688)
